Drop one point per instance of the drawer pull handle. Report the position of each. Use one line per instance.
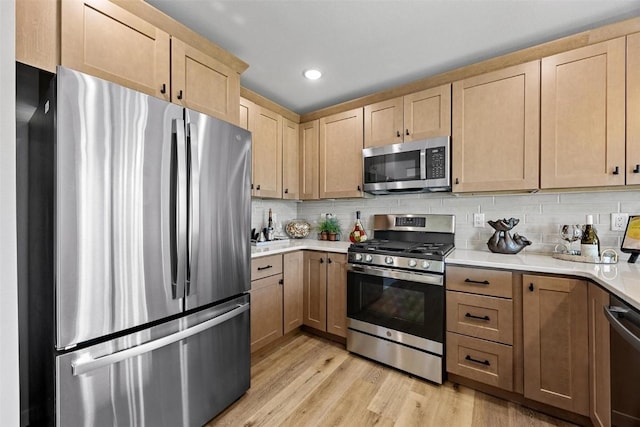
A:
(266, 267)
(477, 317)
(471, 359)
(478, 282)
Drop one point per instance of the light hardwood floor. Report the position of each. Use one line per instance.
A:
(309, 381)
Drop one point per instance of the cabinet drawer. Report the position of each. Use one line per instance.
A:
(480, 360)
(480, 316)
(266, 266)
(479, 281)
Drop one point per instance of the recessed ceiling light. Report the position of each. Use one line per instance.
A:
(312, 74)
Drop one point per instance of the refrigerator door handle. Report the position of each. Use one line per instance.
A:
(180, 207)
(194, 208)
(86, 363)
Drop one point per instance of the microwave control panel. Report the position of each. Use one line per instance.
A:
(436, 163)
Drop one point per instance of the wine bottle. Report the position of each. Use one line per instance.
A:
(358, 234)
(589, 244)
(270, 230)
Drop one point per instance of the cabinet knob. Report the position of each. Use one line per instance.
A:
(286, 191)
(321, 260)
(398, 134)
(258, 187)
(281, 282)
(636, 169)
(359, 188)
(531, 288)
(163, 89)
(616, 170)
(406, 131)
(180, 94)
(329, 261)
(457, 181)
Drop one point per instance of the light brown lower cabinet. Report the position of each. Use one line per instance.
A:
(276, 297)
(599, 364)
(325, 292)
(556, 342)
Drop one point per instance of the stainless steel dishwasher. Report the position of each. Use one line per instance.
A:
(625, 363)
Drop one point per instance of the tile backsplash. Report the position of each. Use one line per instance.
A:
(541, 215)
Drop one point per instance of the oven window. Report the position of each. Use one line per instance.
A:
(405, 306)
(392, 167)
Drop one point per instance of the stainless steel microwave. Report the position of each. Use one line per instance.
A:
(417, 166)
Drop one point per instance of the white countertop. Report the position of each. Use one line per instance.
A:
(621, 279)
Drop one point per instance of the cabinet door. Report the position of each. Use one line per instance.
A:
(556, 350)
(427, 114)
(633, 109)
(290, 160)
(315, 290)
(101, 39)
(203, 83)
(496, 130)
(341, 144)
(583, 117)
(337, 294)
(266, 311)
(38, 33)
(599, 363)
(383, 123)
(247, 108)
(309, 160)
(293, 290)
(267, 153)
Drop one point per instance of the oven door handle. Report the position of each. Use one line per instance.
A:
(612, 313)
(430, 279)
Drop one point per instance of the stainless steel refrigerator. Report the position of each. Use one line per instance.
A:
(137, 229)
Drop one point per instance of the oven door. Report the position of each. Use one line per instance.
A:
(411, 303)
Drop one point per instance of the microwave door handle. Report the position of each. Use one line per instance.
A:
(423, 164)
(612, 313)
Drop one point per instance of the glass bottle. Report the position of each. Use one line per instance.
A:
(358, 234)
(589, 244)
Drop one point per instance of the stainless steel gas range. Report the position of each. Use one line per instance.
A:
(395, 293)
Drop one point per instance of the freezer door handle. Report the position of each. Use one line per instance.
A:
(86, 363)
(193, 207)
(180, 209)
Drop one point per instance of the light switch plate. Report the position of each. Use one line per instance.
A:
(478, 220)
(619, 221)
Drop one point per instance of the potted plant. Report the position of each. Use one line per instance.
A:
(329, 228)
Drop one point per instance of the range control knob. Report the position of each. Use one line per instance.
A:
(413, 263)
(357, 257)
(425, 264)
(368, 258)
(388, 260)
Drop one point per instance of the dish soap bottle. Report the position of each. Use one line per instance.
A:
(358, 234)
(589, 244)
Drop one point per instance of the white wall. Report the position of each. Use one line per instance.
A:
(541, 215)
(9, 397)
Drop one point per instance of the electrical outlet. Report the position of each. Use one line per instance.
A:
(478, 220)
(619, 221)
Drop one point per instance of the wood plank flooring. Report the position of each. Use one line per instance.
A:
(309, 381)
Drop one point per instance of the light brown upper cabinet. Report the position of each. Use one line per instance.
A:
(104, 40)
(496, 130)
(107, 41)
(420, 115)
(266, 152)
(556, 342)
(309, 160)
(211, 87)
(633, 109)
(341, 146)
(290, 160)
(38, 33)
(583, 117)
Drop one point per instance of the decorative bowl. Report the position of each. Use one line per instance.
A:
(297, 229)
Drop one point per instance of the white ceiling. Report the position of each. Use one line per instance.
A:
(364, 46)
